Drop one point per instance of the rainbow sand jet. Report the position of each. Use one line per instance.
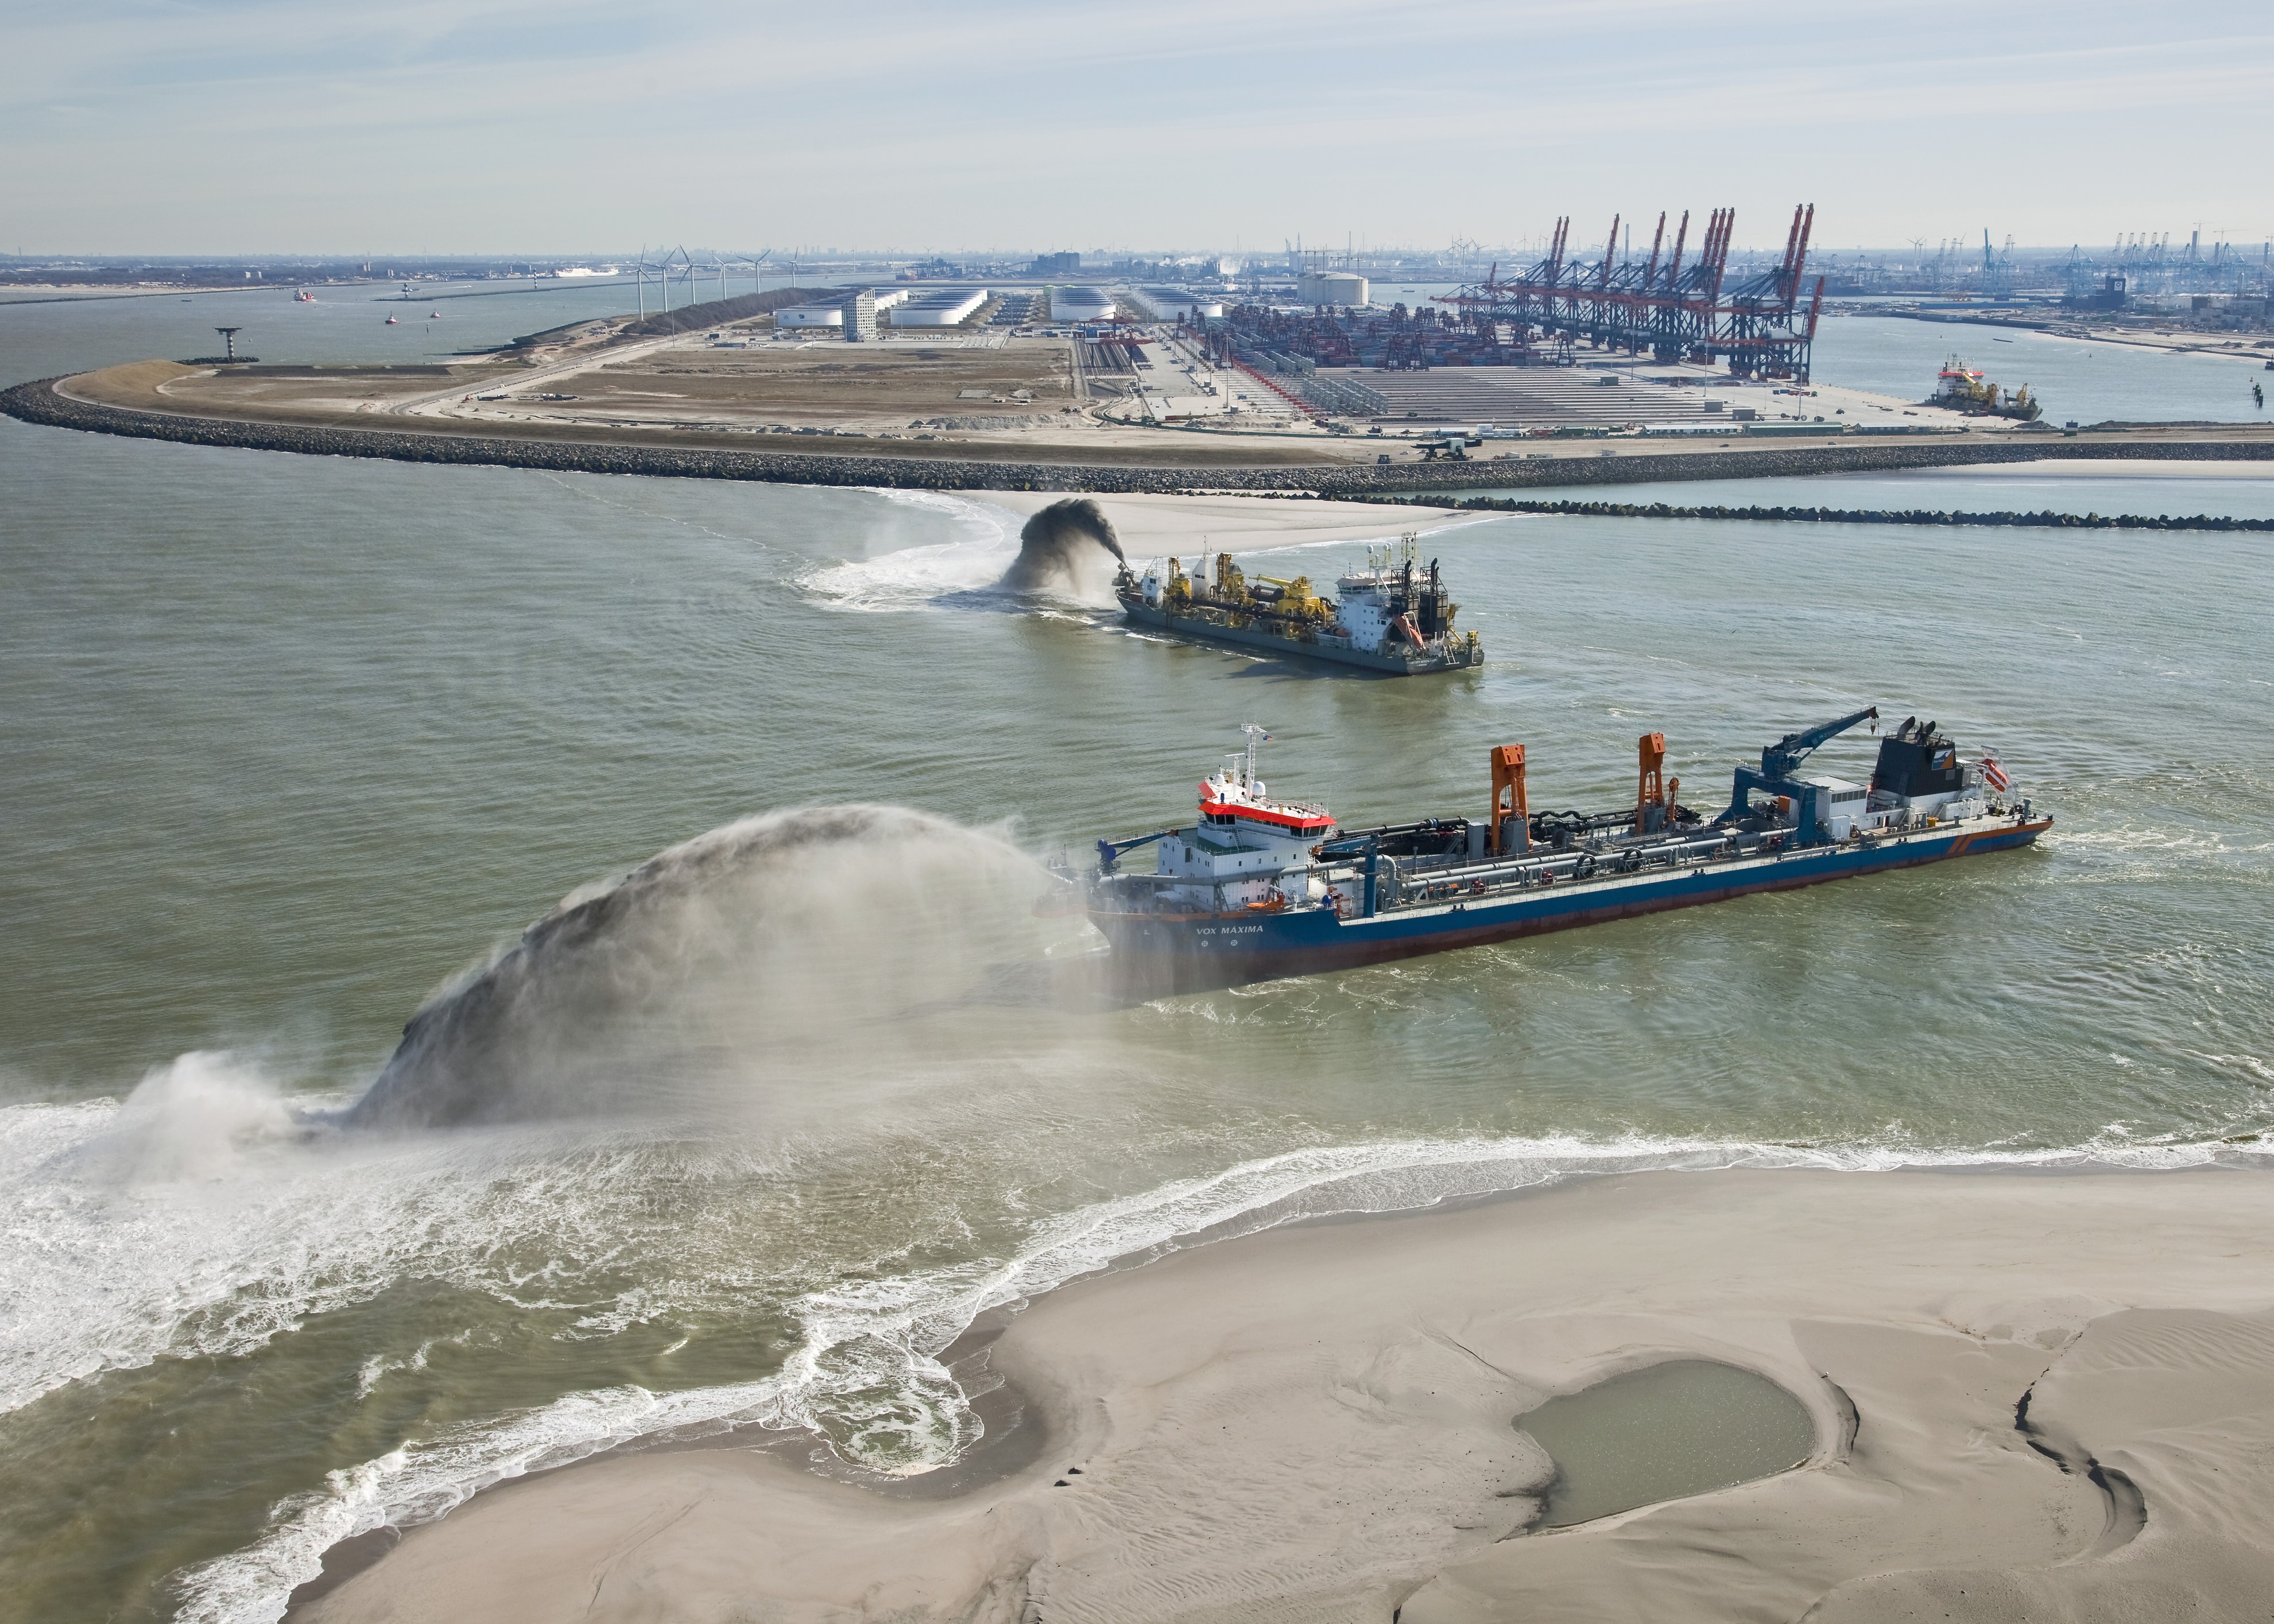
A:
(1257, 887)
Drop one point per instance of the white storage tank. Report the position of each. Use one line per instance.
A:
(944, 309)
(1332, 287)
(1081, 304)
(831, 315)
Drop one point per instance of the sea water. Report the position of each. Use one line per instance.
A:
(292, 744)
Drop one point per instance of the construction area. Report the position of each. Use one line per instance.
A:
(1661, 343)
(819, 362)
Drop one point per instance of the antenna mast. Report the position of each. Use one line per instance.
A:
(1256, 735)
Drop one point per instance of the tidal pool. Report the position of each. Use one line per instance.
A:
(1664, 1431)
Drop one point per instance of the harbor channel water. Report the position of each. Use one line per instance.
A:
(293, 742)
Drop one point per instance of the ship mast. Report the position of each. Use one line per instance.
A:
(1256, 735)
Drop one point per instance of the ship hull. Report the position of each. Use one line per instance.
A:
(1167, 952)
(1455, 658)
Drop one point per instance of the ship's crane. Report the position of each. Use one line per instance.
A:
(1109, 852)
(1780, 761)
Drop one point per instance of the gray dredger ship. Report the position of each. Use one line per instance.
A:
(1392, 615)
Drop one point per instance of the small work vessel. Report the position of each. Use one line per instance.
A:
(395, 321)
(1257, 887)
(303, 297)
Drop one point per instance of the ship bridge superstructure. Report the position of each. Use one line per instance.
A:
(1243, 847)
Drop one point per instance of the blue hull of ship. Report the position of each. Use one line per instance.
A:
(1186, 951)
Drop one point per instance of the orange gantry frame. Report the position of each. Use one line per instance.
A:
(1653, 790)
(1508, 797)
(1656, 790)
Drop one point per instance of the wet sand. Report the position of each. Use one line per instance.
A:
(2034, 1394)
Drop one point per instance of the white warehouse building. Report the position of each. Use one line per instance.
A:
(945, 309)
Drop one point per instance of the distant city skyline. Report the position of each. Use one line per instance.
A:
(493, 128)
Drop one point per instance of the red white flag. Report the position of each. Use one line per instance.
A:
(1995, 775)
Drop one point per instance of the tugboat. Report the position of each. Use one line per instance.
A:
(1391, 616)
(1257, 887)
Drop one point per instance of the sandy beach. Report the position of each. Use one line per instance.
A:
(1150, 525)
(2034, 1394)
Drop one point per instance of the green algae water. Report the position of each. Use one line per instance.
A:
(1665, 1431)
(291, 743)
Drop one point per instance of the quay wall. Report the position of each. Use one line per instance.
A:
(40, 402)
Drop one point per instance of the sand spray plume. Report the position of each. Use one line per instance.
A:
(1059, 548)
(783, 962)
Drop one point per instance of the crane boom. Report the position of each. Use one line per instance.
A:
(1781, 759)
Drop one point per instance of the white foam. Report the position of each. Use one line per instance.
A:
(202, 1217)
(915, 578)
(868, 1375)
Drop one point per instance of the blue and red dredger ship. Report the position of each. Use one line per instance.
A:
(1255, 887)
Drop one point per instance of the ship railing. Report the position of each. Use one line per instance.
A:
(1404, 888)
(1154, 887)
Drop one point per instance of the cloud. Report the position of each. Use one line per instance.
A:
(511, 126)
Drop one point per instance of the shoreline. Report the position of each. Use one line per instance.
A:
(43, 401)
(2051, 1390)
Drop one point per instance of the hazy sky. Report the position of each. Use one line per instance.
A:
(570, 126)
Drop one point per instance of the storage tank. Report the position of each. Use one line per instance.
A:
(947, 308)
(1081, 304)
(1332, 287)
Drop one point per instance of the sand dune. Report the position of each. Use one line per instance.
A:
(2039, 1395)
